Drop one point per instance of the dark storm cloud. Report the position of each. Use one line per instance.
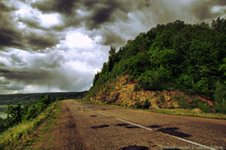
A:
(113, 39)
(219, 2)
(102, 13)
(26, 75)
(32, 22)
(62, 78)
(12, 36)
(4, 8)
(8, 34)
(9, 37)
(62, 6)
(202, 9)
(37, 41)
(99, 11)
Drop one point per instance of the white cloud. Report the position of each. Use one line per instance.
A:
(50, 20)
(30, 15)
(75, 39)
(218, 9)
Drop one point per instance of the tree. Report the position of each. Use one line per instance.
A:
(14, 114)
(220, 97)
(111, 58)
(219, 25)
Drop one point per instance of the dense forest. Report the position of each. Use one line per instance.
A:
(176, 56)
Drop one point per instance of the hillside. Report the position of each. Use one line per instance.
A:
(177, 60)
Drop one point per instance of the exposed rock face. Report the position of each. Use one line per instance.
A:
(123, 93)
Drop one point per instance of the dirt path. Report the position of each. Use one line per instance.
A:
(66, 134)
(95, 127)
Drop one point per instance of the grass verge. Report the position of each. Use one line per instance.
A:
(44, 140)
(23, 134)
(182, 112)
(188, 112)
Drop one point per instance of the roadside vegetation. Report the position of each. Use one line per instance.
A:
(17, 130)
(169, 111)
(175, 57)
(19, 113)
(188, 112)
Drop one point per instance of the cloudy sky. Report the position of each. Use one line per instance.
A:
(58, 45)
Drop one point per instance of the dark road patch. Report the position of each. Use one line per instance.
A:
(154, 126)
(100, 126)
(128, 126)
(171, 149)
(174, 132)
(122, 124)
(132, 127)
(93, 116)
(134, 147)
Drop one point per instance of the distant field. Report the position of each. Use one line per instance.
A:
(3, 108)
(3, 115)
(33, 97)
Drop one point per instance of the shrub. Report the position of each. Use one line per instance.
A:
(138, 104)
(137, 88)
(15, 114)
(146, 104)
(2, 125)
(204, 107)
(220, 98)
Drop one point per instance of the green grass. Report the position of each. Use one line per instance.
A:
(188, 112)
(44, 136)
(22, 135)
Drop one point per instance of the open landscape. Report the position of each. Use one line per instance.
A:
(73, 124)
(113, 75)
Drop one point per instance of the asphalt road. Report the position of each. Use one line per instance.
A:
(98, 127)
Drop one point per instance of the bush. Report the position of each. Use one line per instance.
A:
(137, 88)
(15, 114)
(2, 125)
(146, 104)
(18, 113)
(183, 102)
(204, 107)
(220, 98)
(34, 110)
